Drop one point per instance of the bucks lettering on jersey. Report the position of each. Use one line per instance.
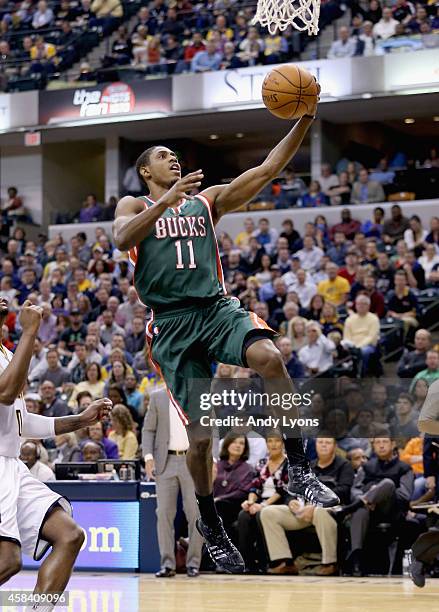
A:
(179, 260)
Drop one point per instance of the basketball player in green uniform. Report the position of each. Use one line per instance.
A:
(171, 240)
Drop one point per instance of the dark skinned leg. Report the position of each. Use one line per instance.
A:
(66, 538)
(10, 560)
(264, 358)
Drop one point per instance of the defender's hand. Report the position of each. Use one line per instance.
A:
(98, 410)
(30, 317)
(181, 187)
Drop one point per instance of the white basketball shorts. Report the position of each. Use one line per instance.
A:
(25, 503)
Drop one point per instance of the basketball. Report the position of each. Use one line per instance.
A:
(289, 91)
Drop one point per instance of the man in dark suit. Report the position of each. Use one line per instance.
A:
(164, 444)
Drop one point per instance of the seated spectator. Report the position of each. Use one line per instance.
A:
(230, 59)
(421, 18)
(433, 236)
(121, 51)
(52, 406)
(329, 319)
(266, 235)
(377, 304)
(327, 178)
(348, 226)
(403, 11)
(362, 330)
(336, 473)
(366, 40)
(30, 455)
(289, 233)
(292, 364)
(405, 425)
(93, 383)
(414, 361)
(431, 372)
(304, 287)
(250, 49)
(78, 364)
(90, 210)
(55, 372)
(76, 332)
(297, 333)
(43, 16)
(92, 451)
(122, 432)
(382, 174)
(316, 355)
(207, 60)
(395, 227)
(314, 196)
(310, 256)
(428, 260)
(415, 235)
(195, 45)
(97, 434)
(340, 194)
(339, 248)
(373, 228)
(383, 495)
(267, 488)
(385, 28)
(412, 455)
(233, 479)
(291, 189)
(344, 46)
(402, 303)
(366, 191)
(133, 395)
(366, 427)
(336, 288)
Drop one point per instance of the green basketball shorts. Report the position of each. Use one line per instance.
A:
(184, 343)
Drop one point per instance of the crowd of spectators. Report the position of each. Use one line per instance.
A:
(354, 183)
(384, 27)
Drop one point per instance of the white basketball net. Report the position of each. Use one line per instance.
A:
(279, 14)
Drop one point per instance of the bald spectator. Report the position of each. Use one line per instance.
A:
(362, 330)
(43, 16)
(335, 289)
(309, 257)
(344, 46)
(317, 354)
(386, 26)
(292, 364)
(30, 455)
(207, 60)
(413, 362)
(366, 191)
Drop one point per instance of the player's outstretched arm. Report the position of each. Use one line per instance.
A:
(98, 410)
(134, 222)
(227, 198)
(13, 378)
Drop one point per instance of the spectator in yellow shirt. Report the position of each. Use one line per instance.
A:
(41, 50)
(335, 289)
(362, 329)
(243, 238)
(221, 27)
(123, 433)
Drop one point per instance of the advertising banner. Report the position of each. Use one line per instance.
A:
(106, 100)
(111, 535)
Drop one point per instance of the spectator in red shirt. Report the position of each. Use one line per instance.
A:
(349, 271)
(348, 226)
(376, 298)
(196, 45)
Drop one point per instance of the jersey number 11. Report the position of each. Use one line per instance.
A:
(180, 264)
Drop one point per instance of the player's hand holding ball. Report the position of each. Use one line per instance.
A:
(182, 188)
(99, 410)
(290, 92)
(30, 317)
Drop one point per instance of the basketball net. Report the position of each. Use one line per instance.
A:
(275, 15)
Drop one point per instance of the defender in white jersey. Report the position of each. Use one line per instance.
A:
(33, 517)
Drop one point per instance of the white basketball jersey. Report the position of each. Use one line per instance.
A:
(11, 417)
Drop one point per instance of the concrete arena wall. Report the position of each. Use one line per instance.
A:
(233, 223)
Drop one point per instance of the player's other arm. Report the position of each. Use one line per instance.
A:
(244, 188)
(13, 378)
(38, 427)
(134, 222)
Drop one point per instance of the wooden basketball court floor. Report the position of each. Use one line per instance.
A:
(109, 592)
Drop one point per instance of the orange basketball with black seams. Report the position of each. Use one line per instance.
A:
(289, 91)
